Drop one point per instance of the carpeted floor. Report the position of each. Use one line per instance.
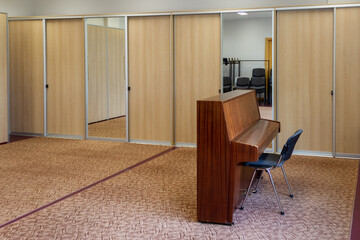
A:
(157, 200)
(113, 128)
(37, 171)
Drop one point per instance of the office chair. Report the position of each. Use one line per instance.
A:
(242, 83)
(227, 85)
(258, 81)
(268, 161)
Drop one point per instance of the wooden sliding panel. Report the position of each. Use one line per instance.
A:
(197, 68)
(26, 76)
(66, 77)
(149, 78)
(116, 67)
(3, 80)
(305, 77)
(347, 80)
(97, 70)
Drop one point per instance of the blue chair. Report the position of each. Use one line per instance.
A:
(268, 161)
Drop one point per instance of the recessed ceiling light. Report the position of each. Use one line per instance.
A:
(242, 13)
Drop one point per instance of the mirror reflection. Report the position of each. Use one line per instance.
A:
(247, 55)
(106, 78)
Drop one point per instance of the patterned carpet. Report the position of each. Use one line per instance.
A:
(157, 200)
(37, 171)
(113, 128)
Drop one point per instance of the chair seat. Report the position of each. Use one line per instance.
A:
(266, 160)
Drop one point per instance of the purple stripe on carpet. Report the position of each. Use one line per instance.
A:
(87, 187)
(355, 230)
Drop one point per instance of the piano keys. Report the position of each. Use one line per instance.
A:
(229, 132)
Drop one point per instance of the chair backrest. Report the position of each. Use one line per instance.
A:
(290, 145)
(258, 72)
(242, 81)
(258, 81)
(226, 81)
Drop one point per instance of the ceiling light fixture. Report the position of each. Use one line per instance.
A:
(242, 13)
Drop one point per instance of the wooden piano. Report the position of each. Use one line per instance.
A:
(229, 132)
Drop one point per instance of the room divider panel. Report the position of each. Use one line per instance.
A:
(149, 78)
(26, 76)
(4, 132)
(66, 77)
(305, 77)
(97, 70)
(116, 71)
(347, 81)
(197, 44)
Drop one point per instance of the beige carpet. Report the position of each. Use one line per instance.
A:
(158, 201)
(114, 128)
(37, 171)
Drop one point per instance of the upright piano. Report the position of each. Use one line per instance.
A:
(229, 132)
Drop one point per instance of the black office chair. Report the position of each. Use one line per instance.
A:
(258, 81)
(269, 162)
(242, 83)
(227, 85)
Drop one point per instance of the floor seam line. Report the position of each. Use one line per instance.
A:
(88, 187)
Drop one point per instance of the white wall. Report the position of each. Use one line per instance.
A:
(245, 39)
(57, 7)
(18, 7)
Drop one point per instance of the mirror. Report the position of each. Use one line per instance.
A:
(106, 77)
(247, 55)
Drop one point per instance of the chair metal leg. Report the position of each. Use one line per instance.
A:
(277, 197)
(247, 191)
(283, 170)
(257, 184)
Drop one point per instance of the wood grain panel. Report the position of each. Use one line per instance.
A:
(116, 67)
(244, 117)
(26, 76)
(66, 77)
(149, 78)
(3, 80)
(305, 73)
(197, 68)
(97, 70)
(347, 80)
